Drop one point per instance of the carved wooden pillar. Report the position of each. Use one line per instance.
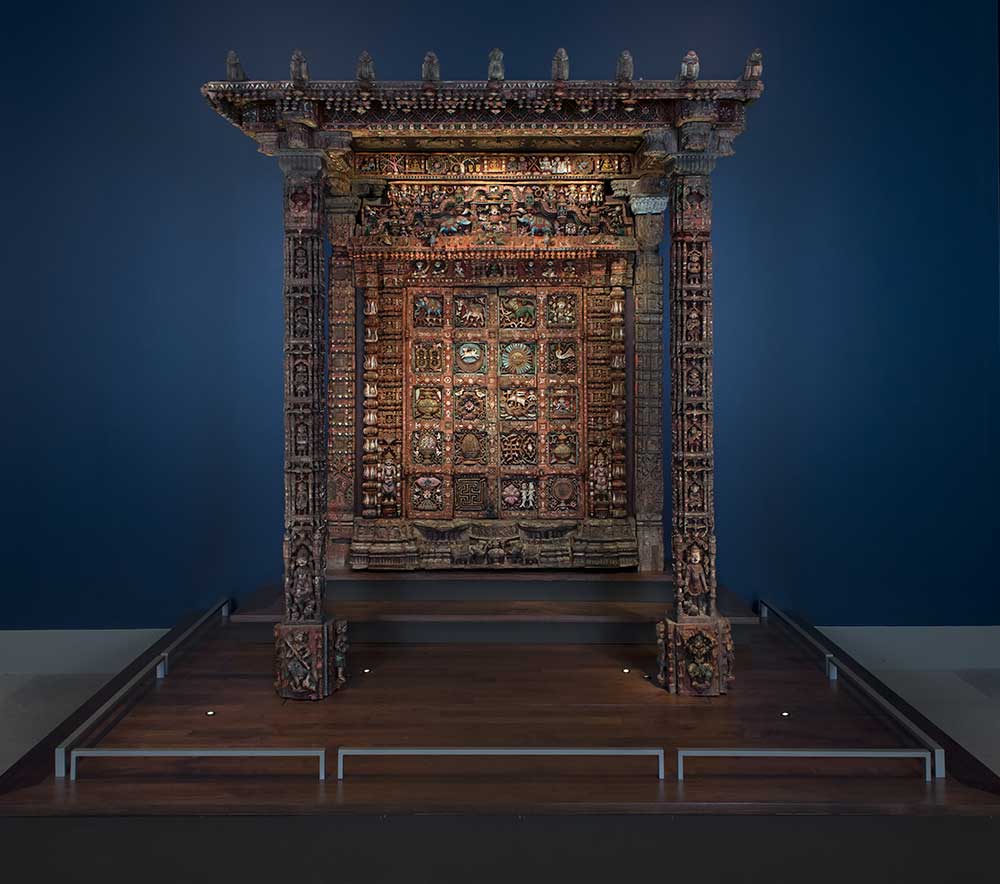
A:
(696, 651)
(310, 651)
(341, 217)
(648, 435)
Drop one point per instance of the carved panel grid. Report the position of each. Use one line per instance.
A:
(489, 378)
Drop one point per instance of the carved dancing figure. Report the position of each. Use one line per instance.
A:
(690, 66)
(625, 69)
(299, 68)
(234, 70)
(495, 72)
(430, 70)
(560, 65)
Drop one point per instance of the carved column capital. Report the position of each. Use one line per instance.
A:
(645, 204)
(301, 163)
(690, 164)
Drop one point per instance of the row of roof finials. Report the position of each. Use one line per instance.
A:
(430, 71)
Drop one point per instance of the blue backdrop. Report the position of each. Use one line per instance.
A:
(856, 279)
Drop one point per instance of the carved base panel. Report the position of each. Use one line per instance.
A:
(493, 544)
(310, 659)
(696, 657)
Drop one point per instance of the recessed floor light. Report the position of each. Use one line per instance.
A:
(210, 712)
(784, 714)
(366, 671)
(626, 671)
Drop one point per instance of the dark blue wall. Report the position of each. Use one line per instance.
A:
(856, 281)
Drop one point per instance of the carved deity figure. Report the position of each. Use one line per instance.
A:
(495, 71)
(690, 66)
(625, 69)
(366, 68)
(560, 65)
(662, 653)
(430, 71)
(340, 648)
(303, 595)
(234, 70)
(299, 69)
(389, 476)
(697, 594)
(754, 68)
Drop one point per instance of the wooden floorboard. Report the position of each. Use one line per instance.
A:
(498, 695)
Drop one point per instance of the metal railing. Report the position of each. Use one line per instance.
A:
(835, 667)
(804, 753)
(344, 751)
(160, 663)
(197, 753)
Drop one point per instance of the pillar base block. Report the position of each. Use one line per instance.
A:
(696, 656)
(310, 659)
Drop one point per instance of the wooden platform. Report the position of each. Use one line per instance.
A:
(608, 608)
(494, 695)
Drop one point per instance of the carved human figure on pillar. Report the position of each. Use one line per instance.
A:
(303, 586)
(697, 593)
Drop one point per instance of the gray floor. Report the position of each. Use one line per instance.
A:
(951, 674)
(46, 674)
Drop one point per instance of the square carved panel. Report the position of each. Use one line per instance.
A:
(517, 404)
(518, 311)
(471, 357)
(471, 494)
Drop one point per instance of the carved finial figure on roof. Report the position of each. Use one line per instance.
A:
(560, 65)
(754, 66)
(366, 68)
(690, 66)
(299, 68)
(234, 70)
(496, 65)
(625, 69)
(430, 71)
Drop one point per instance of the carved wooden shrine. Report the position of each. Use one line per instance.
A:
(473, 333)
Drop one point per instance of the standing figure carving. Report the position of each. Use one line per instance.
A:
(495, 71)
(625, 69)
(430, 70)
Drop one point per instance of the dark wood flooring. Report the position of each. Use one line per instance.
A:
(497, 695)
